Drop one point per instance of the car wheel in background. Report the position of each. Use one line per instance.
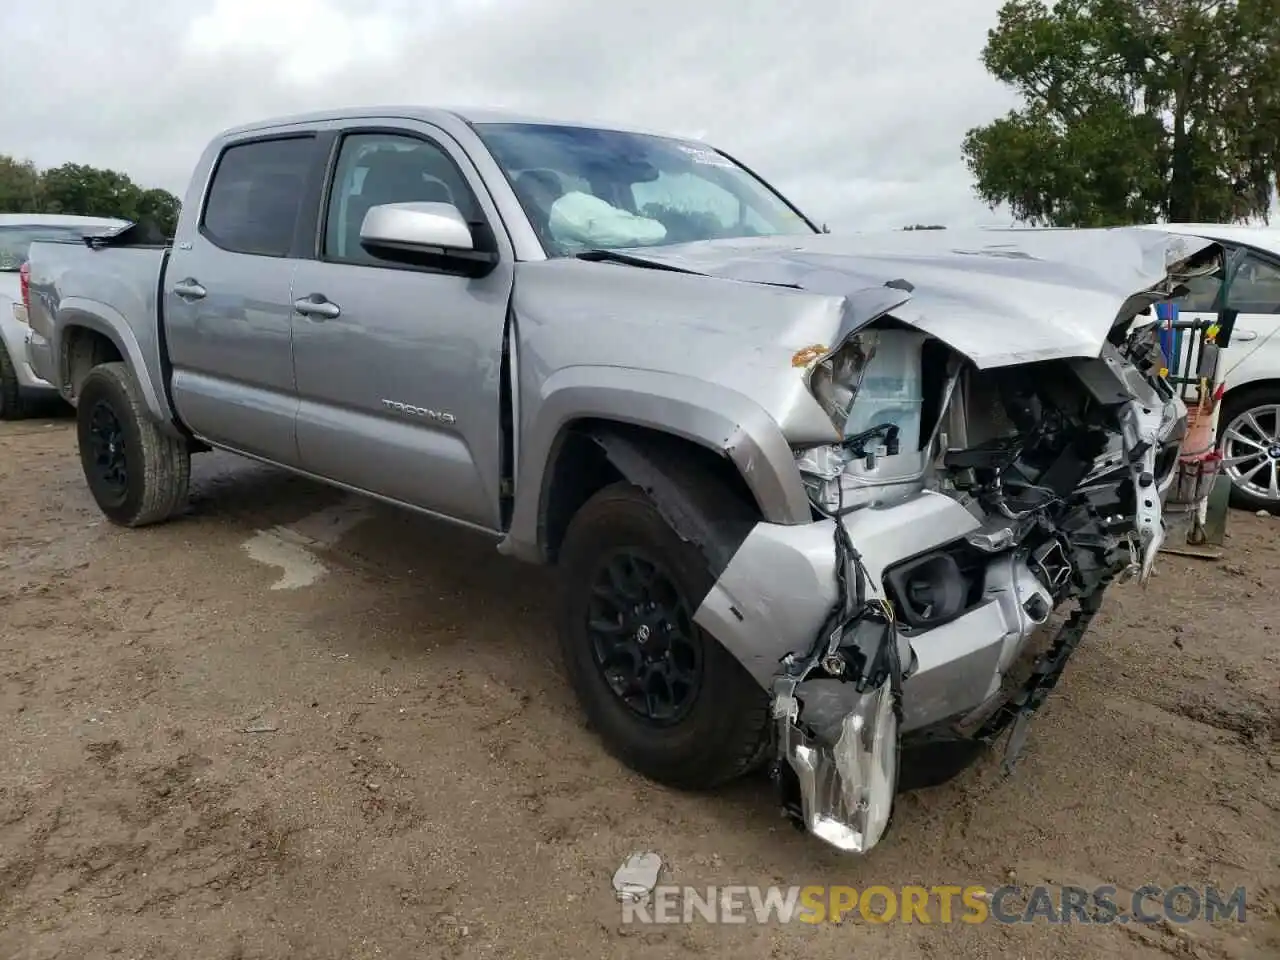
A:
(1250, 441)
(138, 474)
(12, 404)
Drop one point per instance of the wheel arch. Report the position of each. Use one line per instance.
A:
(1251, 386)
(699, 491)
(730, 435)
(78, 319)
(1233, 396)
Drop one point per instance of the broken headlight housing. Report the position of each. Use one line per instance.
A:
(846, 791)
(834, 379)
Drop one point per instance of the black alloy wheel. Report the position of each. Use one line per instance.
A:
(107, 457)
(643, 637)
(664, 695)
(136, 470)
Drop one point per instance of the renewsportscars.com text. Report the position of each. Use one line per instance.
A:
(943, 904)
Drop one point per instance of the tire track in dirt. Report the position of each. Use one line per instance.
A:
(423, 785)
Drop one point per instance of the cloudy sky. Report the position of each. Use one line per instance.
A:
(855, 110)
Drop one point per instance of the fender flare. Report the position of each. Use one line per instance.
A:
(106, 320)
(715, 417)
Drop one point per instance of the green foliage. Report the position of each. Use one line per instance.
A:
(1134, 110)
(19, 185)
(85, 191)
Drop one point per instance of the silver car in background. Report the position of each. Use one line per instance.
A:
(19, 384)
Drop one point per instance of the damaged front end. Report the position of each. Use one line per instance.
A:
(962, 508)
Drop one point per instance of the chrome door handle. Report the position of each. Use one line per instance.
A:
(317, 307)
(1244, 336)
(190, 289)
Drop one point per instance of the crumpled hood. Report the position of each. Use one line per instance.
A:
(999, 297)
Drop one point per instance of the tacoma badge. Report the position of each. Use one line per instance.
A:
(410, 410)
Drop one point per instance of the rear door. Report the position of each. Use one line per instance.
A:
(1251, 436)
(227, 296)
(399, 369)
(1254, 298)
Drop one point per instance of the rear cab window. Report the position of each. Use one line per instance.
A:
(256, 194)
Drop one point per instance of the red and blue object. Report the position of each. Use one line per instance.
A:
(1166, 316)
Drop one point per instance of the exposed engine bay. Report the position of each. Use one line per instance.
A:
(981, 443)
(1061, 465)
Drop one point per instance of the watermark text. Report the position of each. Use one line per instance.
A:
(942, 904)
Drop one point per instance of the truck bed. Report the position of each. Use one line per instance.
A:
(100, 279)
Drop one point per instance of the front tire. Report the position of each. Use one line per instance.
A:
(138, 475)
(665, 697)
(12, 404)
(1250, 443)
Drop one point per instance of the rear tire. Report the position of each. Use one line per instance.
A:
(722, 728)
(138, 474)
(12, 404)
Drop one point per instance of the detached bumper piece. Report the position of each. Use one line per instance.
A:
(838, 713)
(843, 793)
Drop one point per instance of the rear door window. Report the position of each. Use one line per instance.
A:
(1255, 287)
(256, 194)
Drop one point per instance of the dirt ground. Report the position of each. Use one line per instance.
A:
(292, 724)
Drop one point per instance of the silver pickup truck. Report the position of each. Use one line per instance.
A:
(811, 496)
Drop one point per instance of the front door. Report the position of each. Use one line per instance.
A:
(398, 368)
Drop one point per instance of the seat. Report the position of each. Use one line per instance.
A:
(537, 191)
(393, 176)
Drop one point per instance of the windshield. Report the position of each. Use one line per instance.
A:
(14, 242)
(589, 189)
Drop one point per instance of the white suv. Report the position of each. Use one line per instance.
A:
(1249, 423)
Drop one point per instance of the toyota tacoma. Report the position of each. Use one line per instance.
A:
(811, 496)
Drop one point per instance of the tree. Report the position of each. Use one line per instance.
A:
(89, 192)
(19, 186)
(925, 226)
(85, 191)
(1134, 111)
(161, 208)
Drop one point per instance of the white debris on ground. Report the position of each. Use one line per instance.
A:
(634, 881)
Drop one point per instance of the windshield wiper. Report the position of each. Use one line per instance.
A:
(614, 256)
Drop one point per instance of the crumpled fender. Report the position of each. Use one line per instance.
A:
(719, 419)
(695, 506)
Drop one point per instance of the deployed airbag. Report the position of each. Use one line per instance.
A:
(579, 218)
